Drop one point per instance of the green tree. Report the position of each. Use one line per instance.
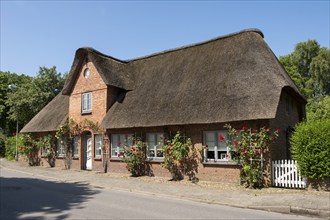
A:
(309, 67)
(320, 109)
(33, 94)
(7, 125)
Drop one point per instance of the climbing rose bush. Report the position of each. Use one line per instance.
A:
(135, 157)
(181, 157)
(250, 147)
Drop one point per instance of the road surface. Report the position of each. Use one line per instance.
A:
(29, 197)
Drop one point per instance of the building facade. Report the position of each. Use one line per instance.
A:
(196, 89)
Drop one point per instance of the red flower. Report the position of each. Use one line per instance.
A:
(236, 142)
(278, 130)
(237, 131)
(254, 130)
(118, 155)
(244, 128)
(161, 137)
(226, 155)
(268, 129)
(119, 142)
(221, 137)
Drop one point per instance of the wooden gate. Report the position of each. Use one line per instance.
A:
(285, 174)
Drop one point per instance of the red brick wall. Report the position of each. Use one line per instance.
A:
(219, 171)
(289, 113)
(93, 84)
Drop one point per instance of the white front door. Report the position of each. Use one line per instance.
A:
(88, 152)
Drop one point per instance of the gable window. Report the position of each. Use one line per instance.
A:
(154, 142)
(216, 149)
(75, 146)
(86, 102)
(98, 146)
(118, 141)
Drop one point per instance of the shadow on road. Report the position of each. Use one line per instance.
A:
(31, 198)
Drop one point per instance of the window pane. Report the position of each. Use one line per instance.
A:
(75, 146)
(151, 140)
(98, 146)
(210, 139)
(86, 102)
(114, 144)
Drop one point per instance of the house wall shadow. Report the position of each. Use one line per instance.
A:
(31, 198)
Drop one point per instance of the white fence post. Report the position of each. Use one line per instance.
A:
(285, 174)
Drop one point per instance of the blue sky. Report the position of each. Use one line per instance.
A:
(47, 33)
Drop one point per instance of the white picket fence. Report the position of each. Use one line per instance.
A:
(286, 174)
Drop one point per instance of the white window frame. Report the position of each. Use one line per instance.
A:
(76, 146)
(86, 102)
(98, 144)
(218, 146)
(117, 144)
(60, 151)
(153, 147)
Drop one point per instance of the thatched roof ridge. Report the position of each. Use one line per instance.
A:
(50, 117)
(112, 70)
(230, 78)
(196, 44)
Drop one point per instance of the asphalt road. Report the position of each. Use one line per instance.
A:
(29, 197)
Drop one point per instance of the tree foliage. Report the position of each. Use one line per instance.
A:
(309, 67)
(310, 146)
(32, 94)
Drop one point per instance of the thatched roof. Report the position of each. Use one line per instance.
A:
(113, 71)
(50, 117)
(231, 78)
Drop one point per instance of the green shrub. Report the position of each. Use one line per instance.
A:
(310, 146)
(10, 144)
(2, 145)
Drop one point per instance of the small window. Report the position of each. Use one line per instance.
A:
(118, 141)
(44, 151)
(87, 73)
(98, 146)
(216, 149)
(154, 143)
(60, 150)
(86, 102)
(75, 146)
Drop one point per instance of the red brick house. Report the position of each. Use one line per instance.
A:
(196, 89)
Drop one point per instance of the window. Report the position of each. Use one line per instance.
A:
(60, 149)
(86, 102)
(44, 151)
(75, 146)
(87, 73)
(98, 143)
(154, 148)
(117, 143)
(216, 150)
